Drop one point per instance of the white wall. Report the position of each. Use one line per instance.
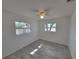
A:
(72, 41)
(62, 34)
(11, 42)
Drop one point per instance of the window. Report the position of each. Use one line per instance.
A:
(22, 28)
(50, 27)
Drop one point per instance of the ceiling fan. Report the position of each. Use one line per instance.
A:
(41, 13)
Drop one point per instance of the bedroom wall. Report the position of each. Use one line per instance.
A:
(72, 40)
(61, 36)
(11, 42)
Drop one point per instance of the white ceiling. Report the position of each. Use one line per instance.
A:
(57, 8)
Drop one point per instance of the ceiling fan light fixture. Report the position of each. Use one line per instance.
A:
(42, 17)
(41, 13)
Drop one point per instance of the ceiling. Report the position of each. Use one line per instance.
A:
(57, 8)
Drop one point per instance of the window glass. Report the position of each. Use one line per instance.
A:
(50, 27)
(22, 27)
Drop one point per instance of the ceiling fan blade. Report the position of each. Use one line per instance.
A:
(48, 9)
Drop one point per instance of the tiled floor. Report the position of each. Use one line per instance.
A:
(47, 50)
